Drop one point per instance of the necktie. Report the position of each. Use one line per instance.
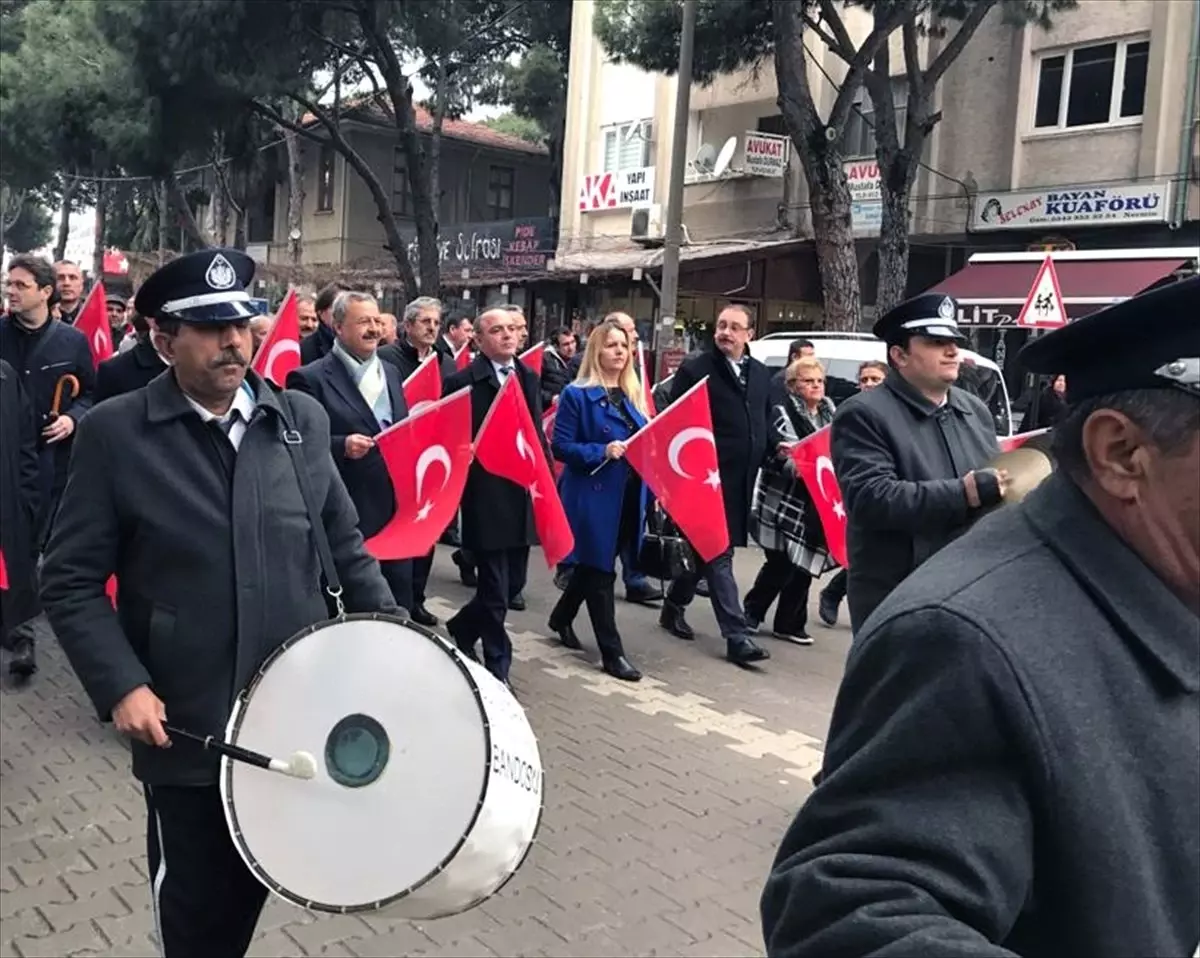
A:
(504, 371)
(226, 425)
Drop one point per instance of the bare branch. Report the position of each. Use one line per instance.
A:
(795, 94)
(844, 46)
(949, 53)
(912, 60)
(886, 23)
(829, 41)
(270, 113)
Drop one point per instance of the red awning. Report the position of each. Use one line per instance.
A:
(1092, 280)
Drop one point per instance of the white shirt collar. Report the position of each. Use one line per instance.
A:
(243, 402)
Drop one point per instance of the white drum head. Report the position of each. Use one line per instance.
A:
(402, 748)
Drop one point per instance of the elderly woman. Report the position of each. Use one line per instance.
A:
(603, 497)
(783, 519)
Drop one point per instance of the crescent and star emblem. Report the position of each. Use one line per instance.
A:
(679, 443)
(825, 465)
(435, 453)
(277, 351)
(100, 341)
(523, 449)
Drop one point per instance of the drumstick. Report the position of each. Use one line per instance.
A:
(58, 388)
(300, 765)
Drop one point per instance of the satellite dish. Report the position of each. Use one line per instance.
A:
(706, 158)
(725, 156)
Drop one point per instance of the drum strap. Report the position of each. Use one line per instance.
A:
(294, 443)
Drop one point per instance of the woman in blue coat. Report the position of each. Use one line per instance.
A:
(604, 499)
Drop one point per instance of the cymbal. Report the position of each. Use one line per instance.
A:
(1027, 467)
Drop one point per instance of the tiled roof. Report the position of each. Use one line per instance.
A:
(451, 129)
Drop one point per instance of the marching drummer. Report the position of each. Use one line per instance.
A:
(214, 500)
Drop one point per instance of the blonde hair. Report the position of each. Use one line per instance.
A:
(589, 367)
(805, 364)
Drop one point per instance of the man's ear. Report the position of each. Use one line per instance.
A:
(1118, 453)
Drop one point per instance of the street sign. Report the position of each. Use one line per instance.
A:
(1044, 308)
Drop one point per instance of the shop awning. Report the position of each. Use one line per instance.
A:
(998, 280)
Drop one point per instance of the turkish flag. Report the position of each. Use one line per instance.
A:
(279, 353)
(424, 384)
(462, 358)
(92, 321)
(3, 571)
(427, 456)
(644, 377)
(533, 357)
(1017, 441)
(676, 456)
(508, 446)
(815, 467)
(110, 590)
(548, 418)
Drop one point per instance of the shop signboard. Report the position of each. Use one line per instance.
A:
(1062, 206)
(866, 206)
(765, 154)
(503, 247)
(616, 189)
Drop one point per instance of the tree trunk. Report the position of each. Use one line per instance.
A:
(295, 206)
(70, 188)
(102, 192)
(833, 238)
(184, 216)
(892, 288)
(441, 97)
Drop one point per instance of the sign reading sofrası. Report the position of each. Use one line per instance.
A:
(1072, 206)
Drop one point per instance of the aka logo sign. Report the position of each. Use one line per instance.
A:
(599, 192)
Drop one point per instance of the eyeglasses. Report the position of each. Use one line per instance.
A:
(807, 382)
(731, 328)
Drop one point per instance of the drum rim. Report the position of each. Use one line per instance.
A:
(227, 768)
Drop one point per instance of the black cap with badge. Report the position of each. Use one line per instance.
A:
(931, 314)
(204, 287)
(1151, 341)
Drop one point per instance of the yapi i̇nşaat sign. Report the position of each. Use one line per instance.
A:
(1072, 206)
(617, 189)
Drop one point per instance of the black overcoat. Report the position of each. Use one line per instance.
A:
(741, 418)
(1013, 761)
(128, 371)
(402, 355)
(213, 574)
(20, 501)
(496, 513)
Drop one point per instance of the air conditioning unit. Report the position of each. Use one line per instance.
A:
(646, 225)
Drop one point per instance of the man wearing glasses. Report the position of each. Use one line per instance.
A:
(738, 392)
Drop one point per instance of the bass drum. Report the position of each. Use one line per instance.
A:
(428, 791)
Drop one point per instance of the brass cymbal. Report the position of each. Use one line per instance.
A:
(1027, 467)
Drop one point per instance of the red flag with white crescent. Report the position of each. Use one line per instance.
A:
(279, 352)
(92, 321)
(548, 418)
(815, 466)
(644, 378)
(462, 358)
(424, 384)
(3, 572)
(508, 446)
(428, 456)
(533, 358)
(676, 456)
(1017, 441)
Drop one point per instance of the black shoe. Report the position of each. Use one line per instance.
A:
(561, 577)
(465, 571)
(702, 588)
(827, 608)
(566, 635)
(642, 593)
(451, 538)
(745, 651)
(671, 618)
(621, 668)
(24, 659)
(422, 616)
(466, 648)
(517, 603)
(795, 636)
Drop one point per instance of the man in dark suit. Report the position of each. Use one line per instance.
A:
(320, 340)
(132, 369)
(189, 491)
(362, 396)
(497, 515)
(738, 388)
(457, 330)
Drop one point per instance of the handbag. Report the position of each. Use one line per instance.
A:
(665, 553)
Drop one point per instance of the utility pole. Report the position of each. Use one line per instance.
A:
(664, 337)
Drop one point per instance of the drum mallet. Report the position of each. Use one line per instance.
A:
(300, 765)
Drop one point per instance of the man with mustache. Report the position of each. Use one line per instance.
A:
(190, 491)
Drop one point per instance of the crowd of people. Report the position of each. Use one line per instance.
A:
(179, 517)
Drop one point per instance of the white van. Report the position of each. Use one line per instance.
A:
(842, 353)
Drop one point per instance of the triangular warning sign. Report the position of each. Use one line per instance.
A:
(1044, 308)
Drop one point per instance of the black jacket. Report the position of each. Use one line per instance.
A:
(403, 356)
(316, 344)
(329, 382)
(1013, 760)
(899, 461)
(128, 371)
(496, 513)
(555, 376)
(42, 358)
(20, 501)
(213, 574)
(741, 421)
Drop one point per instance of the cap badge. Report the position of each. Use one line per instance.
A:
(220, 274)
(946, 309)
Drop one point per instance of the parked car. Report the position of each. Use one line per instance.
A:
(842, 353)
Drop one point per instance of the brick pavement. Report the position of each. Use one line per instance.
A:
(664, 804)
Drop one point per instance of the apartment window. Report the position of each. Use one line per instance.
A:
(858, 138)
(401, 194)
(772, 124)
(627, 146)
(325, 179)
(500, 192)
(1092, 85)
